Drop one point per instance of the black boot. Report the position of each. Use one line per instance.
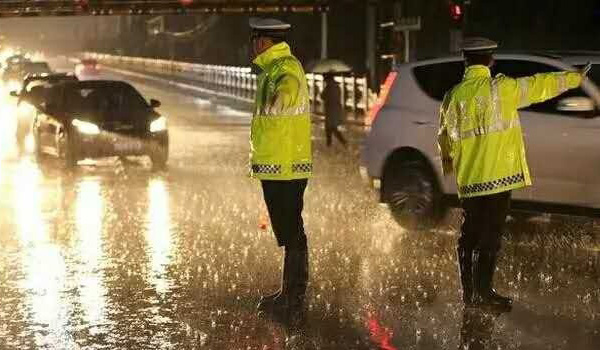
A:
(288, 305)
(299, 277)
(484, 295)
(270, 302)
(465, 270)
(297, 287)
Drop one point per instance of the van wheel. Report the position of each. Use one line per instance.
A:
(413, 195)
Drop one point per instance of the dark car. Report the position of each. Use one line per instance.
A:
(29, 99)
(32, 81)
(99, 118)
(16, 59)
(12, 75)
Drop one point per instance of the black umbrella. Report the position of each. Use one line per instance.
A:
(329, 66)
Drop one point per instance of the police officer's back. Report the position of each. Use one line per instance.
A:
(481, 142)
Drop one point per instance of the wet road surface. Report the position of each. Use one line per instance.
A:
(114, 255)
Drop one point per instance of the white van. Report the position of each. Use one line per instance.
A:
(562, 139)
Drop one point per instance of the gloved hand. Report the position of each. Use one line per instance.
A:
(586, 69)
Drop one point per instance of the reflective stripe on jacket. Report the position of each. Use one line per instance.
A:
(281, 131)
(480, 136)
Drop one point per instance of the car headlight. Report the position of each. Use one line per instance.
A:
(159, 124)
(25, 108)
(86, 127)
(14, 85)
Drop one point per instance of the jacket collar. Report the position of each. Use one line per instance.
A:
(274, 52)
(477, 71)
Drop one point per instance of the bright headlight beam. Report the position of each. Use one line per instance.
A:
(159, 124)
(14, 85)
(86, 127)
(25, 108)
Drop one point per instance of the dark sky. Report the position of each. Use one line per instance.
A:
(516, 24)
(553, 24)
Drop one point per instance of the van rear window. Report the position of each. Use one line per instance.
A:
(437, 79)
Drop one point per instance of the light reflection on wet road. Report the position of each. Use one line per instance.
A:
(114, 255)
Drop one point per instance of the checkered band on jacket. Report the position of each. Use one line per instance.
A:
(276, 169)
(266, 169)
(302, 168)
(492, 185)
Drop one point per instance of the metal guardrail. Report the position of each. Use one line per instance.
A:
(241, 82)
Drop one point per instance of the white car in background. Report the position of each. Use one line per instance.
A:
(562, 139)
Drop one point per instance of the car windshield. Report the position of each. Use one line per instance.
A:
(37, 67)
(15, 60)
(13, 68)
(103, 102)
(48, 81)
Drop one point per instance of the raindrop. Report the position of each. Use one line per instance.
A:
(203, 338)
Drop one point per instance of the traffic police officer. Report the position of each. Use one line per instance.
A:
(281, 157)
(481, 141)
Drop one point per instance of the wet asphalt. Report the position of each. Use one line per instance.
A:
(116, 255)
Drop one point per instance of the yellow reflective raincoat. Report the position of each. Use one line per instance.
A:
(480, 136)
(281, 131)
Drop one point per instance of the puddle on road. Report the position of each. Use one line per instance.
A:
(116, 256)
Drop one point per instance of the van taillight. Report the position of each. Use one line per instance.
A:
(383, 96)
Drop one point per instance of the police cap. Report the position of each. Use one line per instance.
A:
(479, 45)
(269, 27)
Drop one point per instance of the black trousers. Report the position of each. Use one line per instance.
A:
(285, 201)
(484, 221)
(331, 131)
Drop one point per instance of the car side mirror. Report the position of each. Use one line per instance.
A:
(14, 93)
(576, 104)
(154, 103)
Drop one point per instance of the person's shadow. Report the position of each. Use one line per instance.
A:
(476, 330)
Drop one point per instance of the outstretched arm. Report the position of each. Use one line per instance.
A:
(544, 86)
